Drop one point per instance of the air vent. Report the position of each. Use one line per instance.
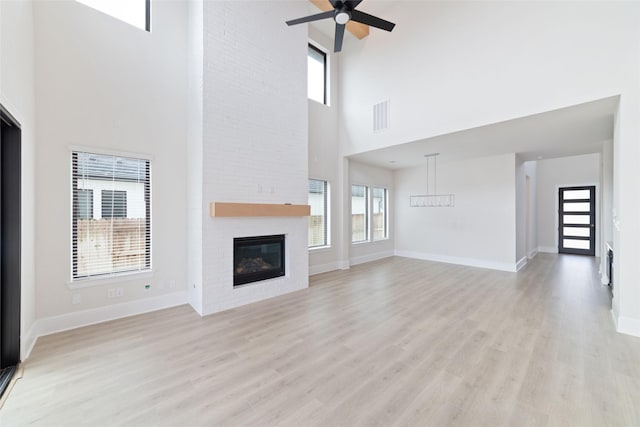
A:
(381, 116)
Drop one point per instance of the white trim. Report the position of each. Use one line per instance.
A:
(77, 319)
(371, 257)
(323, 268)
(125, 276)
(547, 249)
(532, 253)
(110, 152)
(520, 264)
(471, 262)
(626, 325)
(604, 279)
(344, 264)
(28, 341)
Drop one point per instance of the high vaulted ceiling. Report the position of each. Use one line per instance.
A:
(574, 130)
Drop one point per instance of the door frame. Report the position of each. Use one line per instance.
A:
(595, 220)
(10, 239)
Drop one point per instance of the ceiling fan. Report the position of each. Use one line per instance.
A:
(343, 12)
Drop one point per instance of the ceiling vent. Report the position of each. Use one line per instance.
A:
(381, 116)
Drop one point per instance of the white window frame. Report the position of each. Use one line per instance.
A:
(115, 9)
(367, 214)
(386, 213)
(324, 53)
(327, 215)
(98, 279)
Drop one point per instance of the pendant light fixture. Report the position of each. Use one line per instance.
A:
(432, 199)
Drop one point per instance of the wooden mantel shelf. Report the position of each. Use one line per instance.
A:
(226, 209)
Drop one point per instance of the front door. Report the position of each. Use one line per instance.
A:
(577, 220)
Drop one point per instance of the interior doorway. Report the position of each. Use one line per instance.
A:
(577, 220)
(10, 245)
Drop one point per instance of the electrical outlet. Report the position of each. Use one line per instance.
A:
(76, 299)
(111, 293)
(119, 292)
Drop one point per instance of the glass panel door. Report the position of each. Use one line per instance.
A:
(577, 220)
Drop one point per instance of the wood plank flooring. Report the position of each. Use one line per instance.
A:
(398, 342)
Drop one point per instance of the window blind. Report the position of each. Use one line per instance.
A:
(359, 213)
(318, 220)
(379, 213)
(111, 224)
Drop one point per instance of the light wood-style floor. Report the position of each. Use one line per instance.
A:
(394, 342)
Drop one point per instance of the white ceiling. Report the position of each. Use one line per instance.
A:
(580, 129)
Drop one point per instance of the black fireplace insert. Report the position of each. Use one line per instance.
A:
(257, 258)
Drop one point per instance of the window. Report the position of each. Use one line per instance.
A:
(319, 218)
(317, 74)
(85, 204)
(359, 213)
(133, 12)
(114, 237)
(379, 213)
(114, 204)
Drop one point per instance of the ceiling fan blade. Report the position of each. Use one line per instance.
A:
(337, 44)
(351, 4)
(310, 18)
(374, 21)
(337, 4)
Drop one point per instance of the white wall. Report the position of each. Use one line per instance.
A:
(106, 85)
(325, 162)
(478, 231)
(370, 176)
(626, 232)
(526, 213)
(255, 140)
(563, 172)
(468, 64)
(606, 205)
(17, 96)
(195, 151)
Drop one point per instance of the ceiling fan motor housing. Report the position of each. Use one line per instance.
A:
(342, 16)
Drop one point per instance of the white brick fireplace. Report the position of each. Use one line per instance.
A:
(248, 142)
(219, 292)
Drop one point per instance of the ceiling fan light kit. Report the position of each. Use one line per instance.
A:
(433, 200)
(342, 13)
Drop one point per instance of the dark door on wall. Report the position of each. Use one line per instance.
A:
(577, 220)
(10, 231)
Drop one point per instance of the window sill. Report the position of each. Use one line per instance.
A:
(113, 278)
(319, 248)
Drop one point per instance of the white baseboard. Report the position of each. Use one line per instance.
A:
(520, 264)
(344, 264)
(323, 268)
(532, 253)
(77, 319)
(27, 341)
(626, 325)
(371, 257)
(471, 262)
(548, 249)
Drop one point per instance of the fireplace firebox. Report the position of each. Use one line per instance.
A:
(257, 258)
